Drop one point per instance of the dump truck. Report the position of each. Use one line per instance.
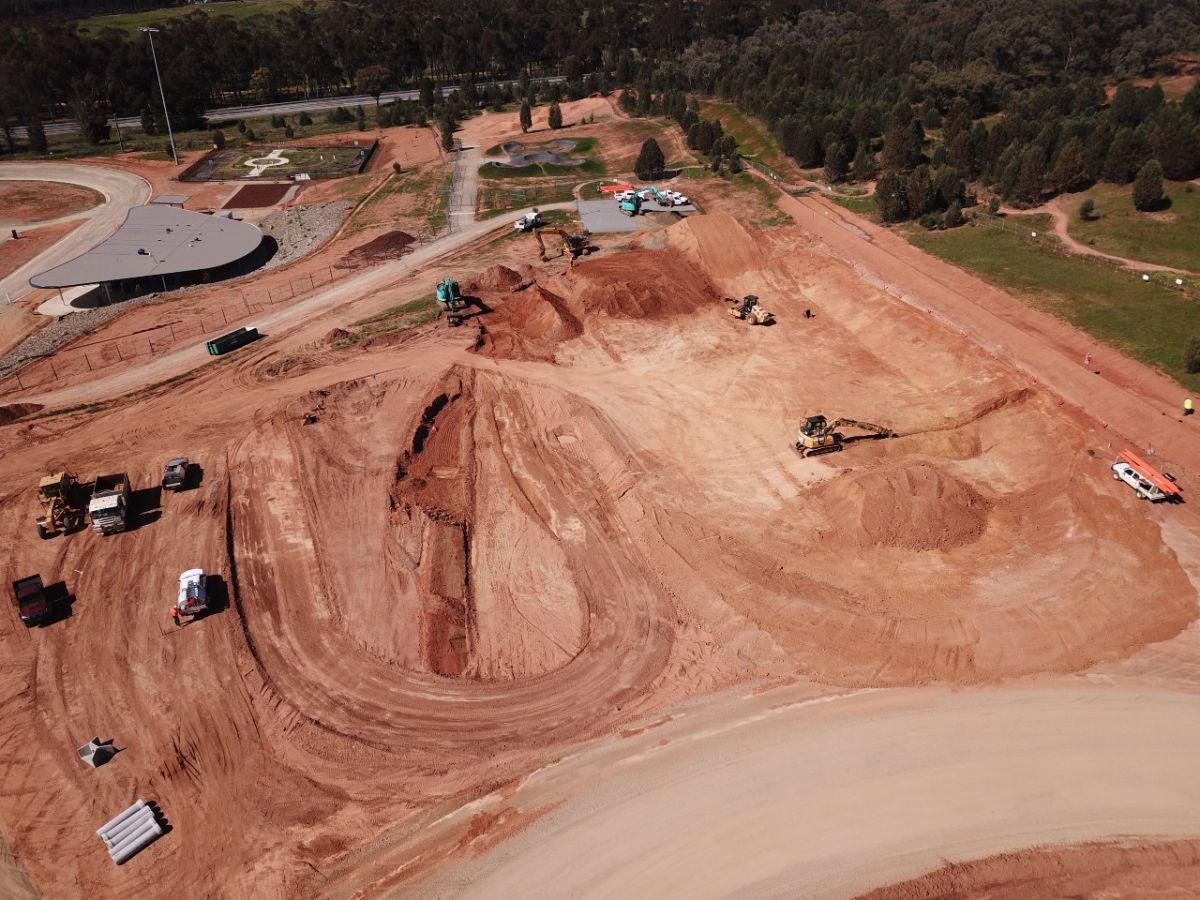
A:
(175, 474)
(62, 505)
(33, 605)
(1145, 480)
(109, 506)
(193, 595)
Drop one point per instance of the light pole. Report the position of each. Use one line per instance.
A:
(166, 115)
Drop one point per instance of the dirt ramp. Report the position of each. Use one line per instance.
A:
(915, 506)
(716, 244)
(640, 284)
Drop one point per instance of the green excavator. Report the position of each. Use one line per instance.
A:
(452, 300)
(631, 205)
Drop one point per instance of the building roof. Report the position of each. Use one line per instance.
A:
(171, 199)
(157, 240)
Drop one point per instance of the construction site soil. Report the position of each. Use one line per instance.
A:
(26, 202)
(389, 245)
(255, 196)
(447, 558)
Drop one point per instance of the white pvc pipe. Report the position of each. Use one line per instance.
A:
(134, 838)
(136, 842)
(121, 817)
(130, 825)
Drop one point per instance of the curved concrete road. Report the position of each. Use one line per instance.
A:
(761, 797)
(121, 190)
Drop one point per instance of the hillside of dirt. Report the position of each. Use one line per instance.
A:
(444, 560)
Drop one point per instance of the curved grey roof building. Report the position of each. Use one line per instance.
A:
(157, 241)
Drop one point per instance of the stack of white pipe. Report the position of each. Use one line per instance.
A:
(129, 832)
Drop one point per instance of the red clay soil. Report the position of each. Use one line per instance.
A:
(255, 196)
(446, 568)
(32, 241)
(1092, 870)
(23, 202)
(390, 245)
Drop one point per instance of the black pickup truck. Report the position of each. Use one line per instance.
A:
(35, 607)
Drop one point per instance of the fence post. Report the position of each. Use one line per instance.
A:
(223, 316)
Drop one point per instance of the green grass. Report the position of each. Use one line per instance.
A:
(1146, 320)
(131, 22)
(300, 159)
(753, 139)
(863, 206)
(1170, 237)
(398, 318)
(771, 215)
(499, 197)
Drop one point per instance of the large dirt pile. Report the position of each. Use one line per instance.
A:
(718, 245)
(915, 506)
(530, 318)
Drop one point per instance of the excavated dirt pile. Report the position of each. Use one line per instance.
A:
(912, 506)
(389, 245)
(530, 320)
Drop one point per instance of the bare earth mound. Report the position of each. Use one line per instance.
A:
(913, 506)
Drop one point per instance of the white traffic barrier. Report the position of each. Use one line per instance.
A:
(117, 820)
(135, 842)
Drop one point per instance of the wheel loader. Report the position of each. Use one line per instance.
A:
(818, 435)
(62, 506)
(748, 310)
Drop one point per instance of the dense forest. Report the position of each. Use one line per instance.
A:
(1012, 90)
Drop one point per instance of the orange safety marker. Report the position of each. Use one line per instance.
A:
(1147, 471)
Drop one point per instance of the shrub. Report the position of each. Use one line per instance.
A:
(1191, 355)
(397, 169)
(555, 116)
(994, 205)
(954, 216)
(1087, 210)
(250, 136)
(288, 132)
(305, 119)
(218, 139)
(1148, 186)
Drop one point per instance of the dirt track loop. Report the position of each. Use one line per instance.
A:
(450, 558)
(827, 798)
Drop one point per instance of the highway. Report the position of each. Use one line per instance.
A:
(283, 108)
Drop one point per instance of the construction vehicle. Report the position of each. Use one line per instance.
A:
(1147, 482)
(62, 505)
(818, 435)
(573, 245)
(631, 205)
(529, 222)
(33, 605)
(748, 310)
(109, 506)
(175, 474)
(452, 300)
(193, 595)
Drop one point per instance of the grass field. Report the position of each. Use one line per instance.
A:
(1170, 237)
(863, 206)
(499, 197)
(398, 318)
(313, 160)
(236, 9)
(753, 138)
(1148, 321)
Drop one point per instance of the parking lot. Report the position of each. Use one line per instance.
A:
(600, 216)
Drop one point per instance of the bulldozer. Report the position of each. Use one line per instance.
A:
(573, 245)
(62, 506)
(748, 310)
(818, 435)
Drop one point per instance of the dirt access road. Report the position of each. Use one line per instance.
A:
(121, 190)
(829, 797)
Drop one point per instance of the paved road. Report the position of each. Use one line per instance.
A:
(760, 796)
(121, 190)
(284, 108)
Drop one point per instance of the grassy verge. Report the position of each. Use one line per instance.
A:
(1170, 237)
(1146, 320)
(398, 318)
(129, 23)
(754, 139)
(863, 206)
(497, 198)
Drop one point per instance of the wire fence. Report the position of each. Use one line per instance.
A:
(81, 358)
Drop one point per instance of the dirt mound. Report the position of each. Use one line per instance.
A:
(336, 336)
(914, 506)
(493, 280)
(640, 284)
(716, 244)
(15, 411)
(389, 245)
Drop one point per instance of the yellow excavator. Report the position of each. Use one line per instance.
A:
(818, 435)
(62, 505)
(573, 245)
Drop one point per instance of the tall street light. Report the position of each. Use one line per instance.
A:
(166, 115)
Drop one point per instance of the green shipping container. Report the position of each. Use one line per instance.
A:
(231, 341)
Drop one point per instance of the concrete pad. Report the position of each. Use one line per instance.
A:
(600, 216)
(73, 299)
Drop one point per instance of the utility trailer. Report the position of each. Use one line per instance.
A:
(109, 506)
(33, 605)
